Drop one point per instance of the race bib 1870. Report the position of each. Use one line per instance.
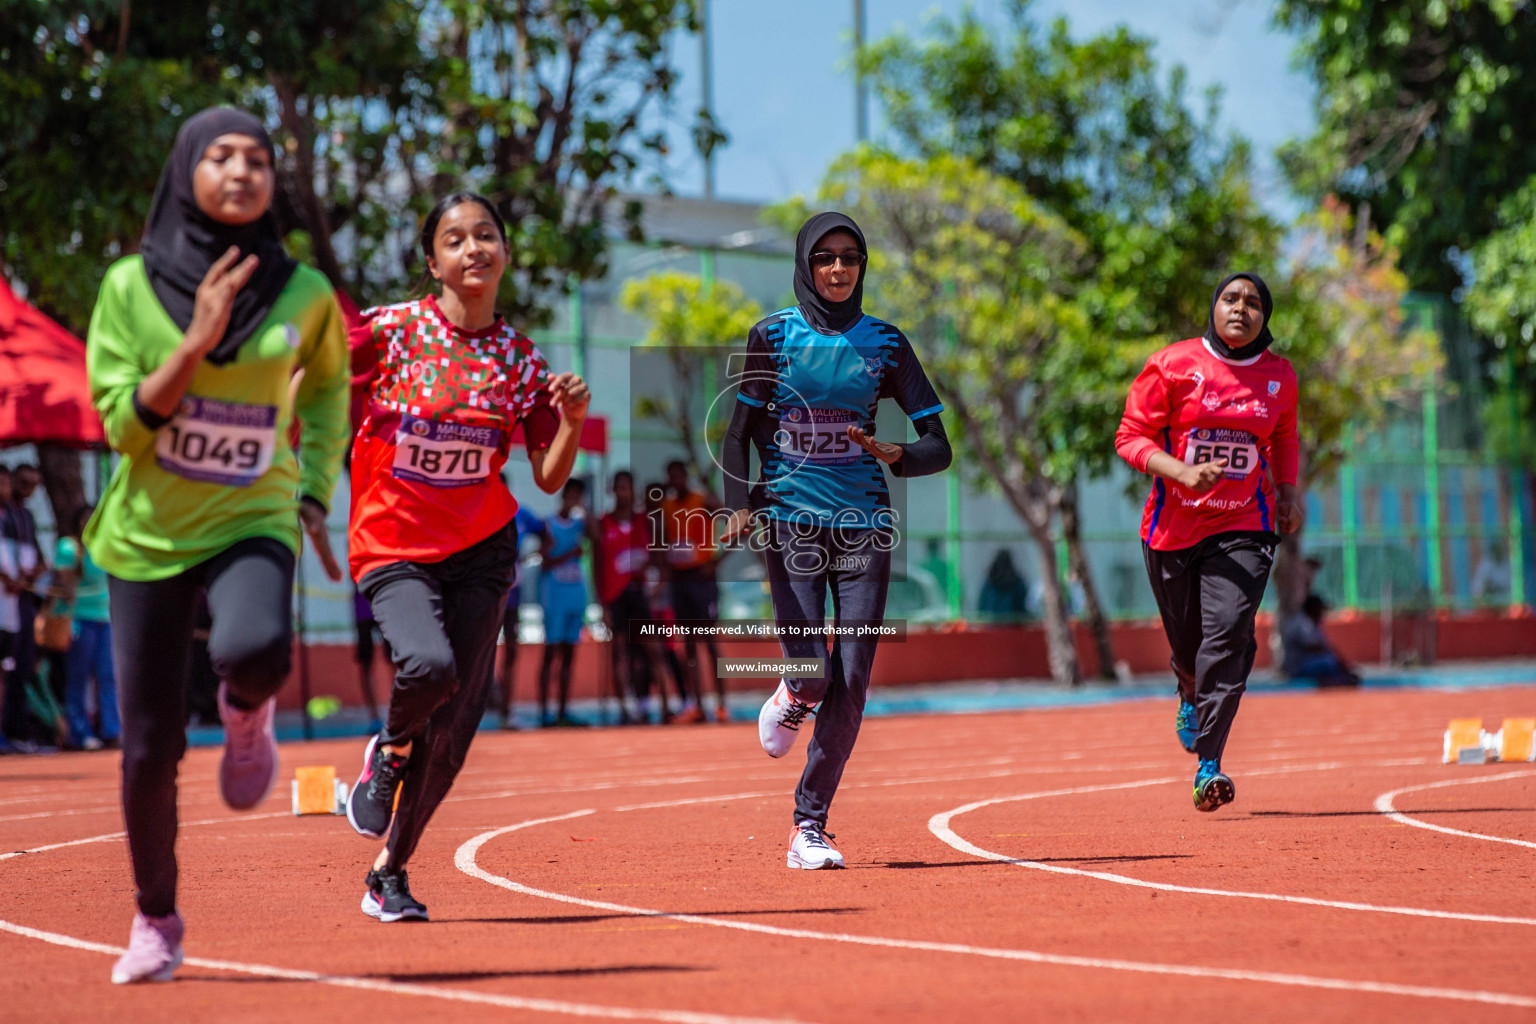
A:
(1238, 447)
(443, 454)
(818, 436)
(228, 443)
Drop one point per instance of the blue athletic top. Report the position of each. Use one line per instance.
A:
(812, 387)
(564, 534)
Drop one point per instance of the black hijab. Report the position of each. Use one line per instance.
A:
(825, 316)
(181, 241)
(1257, 345)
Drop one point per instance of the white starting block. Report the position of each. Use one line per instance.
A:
(317, 790)
(1467, 742)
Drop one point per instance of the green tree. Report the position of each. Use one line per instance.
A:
(1420, 108)
(1341, 325)
(375, 105)
(692, 320)
(546, 106)
(987, 284)
(1502, 306)
(1093, 131)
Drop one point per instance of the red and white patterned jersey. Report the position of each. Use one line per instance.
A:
(1199, 407)
(439, 405)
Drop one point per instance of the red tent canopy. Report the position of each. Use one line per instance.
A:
(43, 391)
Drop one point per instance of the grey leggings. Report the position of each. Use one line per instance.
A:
(250, 595)
(441, 620)
(803, 564)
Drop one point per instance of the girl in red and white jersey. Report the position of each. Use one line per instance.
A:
(621, 541)
(1213, 420)
(432, 541)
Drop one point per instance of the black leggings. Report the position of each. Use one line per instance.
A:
(441, 620)
(250, 596)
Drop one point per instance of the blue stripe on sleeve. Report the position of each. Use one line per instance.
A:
(931, 410)
(749, 401)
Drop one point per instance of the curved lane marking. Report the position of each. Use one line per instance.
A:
(940, 826)
(369, 984)
(465, 860)
(1385, 804)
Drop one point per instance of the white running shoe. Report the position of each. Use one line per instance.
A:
(779, 722)
(154, 950)
(809, 849)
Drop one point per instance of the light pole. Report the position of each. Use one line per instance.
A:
(860, 99)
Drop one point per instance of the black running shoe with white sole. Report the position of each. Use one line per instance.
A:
(389, 899)
(371, 804)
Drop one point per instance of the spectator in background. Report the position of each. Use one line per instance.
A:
(563, 593)
(13, 697)
(527, 525)
(658, 592)
(1492, 578)
(621, 556)
(20, 528)
(1004, 594)
(691, 551)
(1307, 653)
(90, 649)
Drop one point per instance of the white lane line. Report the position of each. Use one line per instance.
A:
(464, 860)
(940, 826)
(408, 988)
(107, 837)
(371, 984)
(1385, 804)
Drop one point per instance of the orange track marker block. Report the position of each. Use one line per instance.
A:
(316, 791)
(1464, 742)
(1517, 739)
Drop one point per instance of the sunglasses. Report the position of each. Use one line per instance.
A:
(823, 260)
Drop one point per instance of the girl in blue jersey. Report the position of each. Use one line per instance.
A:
(563, 593)
(815, 373)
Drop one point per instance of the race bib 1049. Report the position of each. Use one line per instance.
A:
(215, 442)
(818, 436)
(443, 454)
(1238, 447)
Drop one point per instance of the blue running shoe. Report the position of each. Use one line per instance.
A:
(1187, 723)
(1212, 788)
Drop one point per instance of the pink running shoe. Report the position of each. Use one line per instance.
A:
(154, 950)
(249, 766)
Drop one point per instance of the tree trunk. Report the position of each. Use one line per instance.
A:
(1077, 562)
(59, 466)
(1061, 649)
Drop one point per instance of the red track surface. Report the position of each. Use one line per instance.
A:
(549, 920)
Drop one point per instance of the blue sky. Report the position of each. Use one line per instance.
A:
(783, 92)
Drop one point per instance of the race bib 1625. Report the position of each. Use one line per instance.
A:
(818, 436)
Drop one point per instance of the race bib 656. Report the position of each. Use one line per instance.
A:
(1238, 447)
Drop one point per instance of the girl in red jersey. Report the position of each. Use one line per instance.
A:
(1213, 420)
(432, 541)
(620, 542)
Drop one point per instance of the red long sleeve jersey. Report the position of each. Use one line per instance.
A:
(439, 406)
(1199, 407)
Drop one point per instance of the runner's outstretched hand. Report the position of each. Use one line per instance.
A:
(885, 451)
(569, 395)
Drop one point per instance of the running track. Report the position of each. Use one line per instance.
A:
(1013, 866)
